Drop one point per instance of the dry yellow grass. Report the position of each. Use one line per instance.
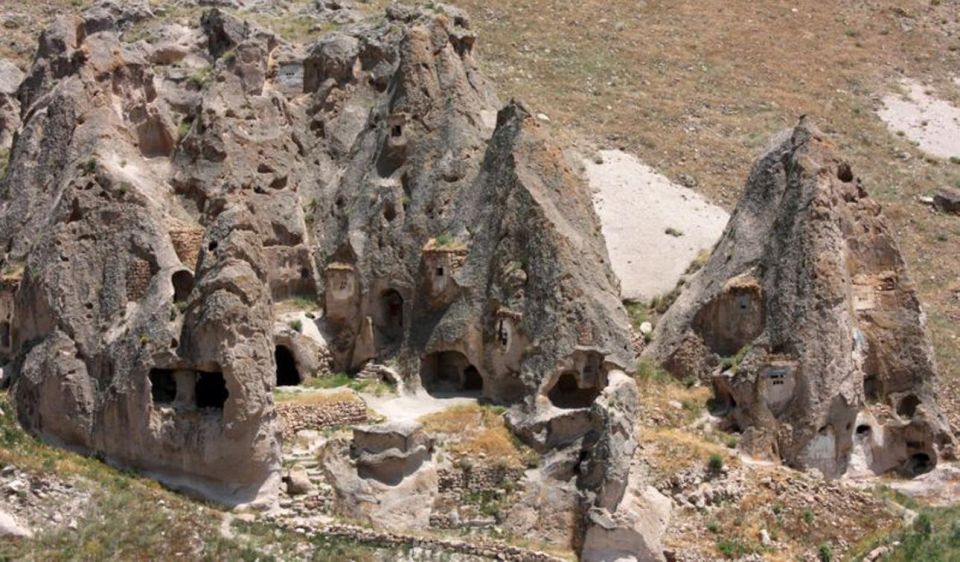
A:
(476, 432)
(318, 398)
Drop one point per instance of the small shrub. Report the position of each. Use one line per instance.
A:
(649, 372)
(713, 527)
(923, 526)
(807, 516)
(733, 363)
(296, 325)
(731, 548)
(698, 262)
(824, 553)
(715, 463)
(955, 534)
(444, 240)
(183, 129)
(638, 313)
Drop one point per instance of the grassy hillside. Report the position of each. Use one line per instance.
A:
(120, 516)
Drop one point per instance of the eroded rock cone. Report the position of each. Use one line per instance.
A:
(165, 194)
(808, 325)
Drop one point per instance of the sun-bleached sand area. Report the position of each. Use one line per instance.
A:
(932, 123)
(654, 228)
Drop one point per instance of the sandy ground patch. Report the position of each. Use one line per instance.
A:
(410, 407)
(654, 228)
(933, 124)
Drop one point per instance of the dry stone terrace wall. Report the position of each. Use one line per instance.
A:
(295, 416)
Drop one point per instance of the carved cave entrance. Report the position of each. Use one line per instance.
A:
(210, 391)
(567, 392)
(287, 372)
(391, 314)
(450, 373)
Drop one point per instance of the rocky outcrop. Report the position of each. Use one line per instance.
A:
(10, 79)
(385, 476)
(808, 325)
(179, 206)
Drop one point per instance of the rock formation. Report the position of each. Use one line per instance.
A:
(807, 323)
(10, 79)
(170, 199)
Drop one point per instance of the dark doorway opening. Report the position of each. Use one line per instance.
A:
(211, 390)
(391, 313)
(908, 406)
(472, 381)
(182, 285)
(287, 372)
(566, 392)
(919, 463)
(163, 386)
(450, 372)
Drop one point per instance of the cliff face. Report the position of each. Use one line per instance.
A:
(165, 195)
(808, 325)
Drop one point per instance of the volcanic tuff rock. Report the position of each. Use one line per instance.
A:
(10, 79)
(808, 325)
(165, 195)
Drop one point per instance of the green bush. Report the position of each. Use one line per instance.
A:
(807, 516)
(715, 463)
(824, 553)
(732, 548)
(296, 325)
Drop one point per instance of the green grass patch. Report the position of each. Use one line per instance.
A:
(934, 536)
(343, 380)
(638, 313)
(648, 371)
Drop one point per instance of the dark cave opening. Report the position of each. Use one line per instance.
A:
(210, 390)
(287, 372)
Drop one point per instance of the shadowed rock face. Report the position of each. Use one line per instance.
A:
(164, 195)
(807, 298)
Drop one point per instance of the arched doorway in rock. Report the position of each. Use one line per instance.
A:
(919, 463)
(450, 373)
(287, 372)
(907, 406)
(182, 285)
(567, 393)
(391, 316)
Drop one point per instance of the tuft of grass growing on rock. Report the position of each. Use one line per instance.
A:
(638, 313)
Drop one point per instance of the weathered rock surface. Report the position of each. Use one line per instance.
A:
(808, 324)
(10, 79)
(387, 478)
(171, 200)
(9, 527)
